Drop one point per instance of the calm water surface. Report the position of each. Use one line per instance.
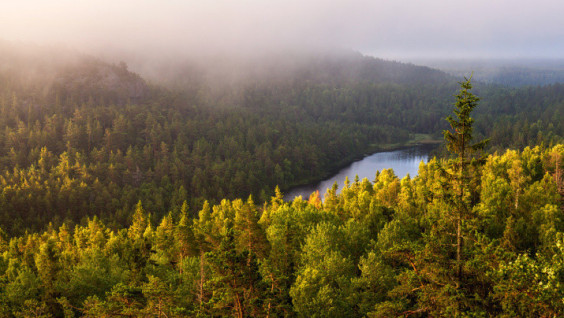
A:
(402, 161)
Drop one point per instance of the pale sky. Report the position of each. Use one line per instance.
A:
(389, 29)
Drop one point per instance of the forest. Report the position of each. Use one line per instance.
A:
(380, 248)
(120, 197)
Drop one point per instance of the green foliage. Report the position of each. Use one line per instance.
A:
(76, 161)
(377, 249)
(70, 151)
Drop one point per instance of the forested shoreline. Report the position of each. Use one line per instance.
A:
(92, 139)
(123, 198)
(377, 249)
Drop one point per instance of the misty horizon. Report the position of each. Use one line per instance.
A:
(395, 31)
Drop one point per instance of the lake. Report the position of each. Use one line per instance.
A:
(403, 161)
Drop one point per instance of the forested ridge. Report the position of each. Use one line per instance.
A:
(83, 138)
(122, 198)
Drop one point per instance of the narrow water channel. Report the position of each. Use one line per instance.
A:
(403, 161)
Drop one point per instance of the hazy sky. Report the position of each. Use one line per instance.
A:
(390, 29)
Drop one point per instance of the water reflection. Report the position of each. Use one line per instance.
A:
(405, 161)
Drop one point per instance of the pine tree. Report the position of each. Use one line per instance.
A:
(139, 223)
(184, 238)
(203, 235)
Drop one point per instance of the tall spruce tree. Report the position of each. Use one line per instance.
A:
(459, 143)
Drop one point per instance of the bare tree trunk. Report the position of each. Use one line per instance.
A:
(272, 292)
(202, 279)
(460, 212)
(458, 248)
(240, 312)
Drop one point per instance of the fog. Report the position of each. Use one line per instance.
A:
(390, 29)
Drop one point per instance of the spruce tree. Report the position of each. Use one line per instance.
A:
(459, 143)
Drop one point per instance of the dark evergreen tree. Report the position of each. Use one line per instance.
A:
(459, 143)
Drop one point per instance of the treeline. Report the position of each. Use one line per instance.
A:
(523, 76)
(516, 118)
(103, 159)
(92, 139)
(378, 249)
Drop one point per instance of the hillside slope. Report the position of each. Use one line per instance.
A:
(80, 137)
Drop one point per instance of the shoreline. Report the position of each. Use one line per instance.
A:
(346, 163)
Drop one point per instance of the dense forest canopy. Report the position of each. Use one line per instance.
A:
(83, 138)
(120, 197)
(378, 249)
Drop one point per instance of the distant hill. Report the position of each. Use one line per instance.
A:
(507, 72)
(333, 68)
(61, 73)
(103, 139)
(51, 72)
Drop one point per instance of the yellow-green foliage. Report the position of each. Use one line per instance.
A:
(377, 249)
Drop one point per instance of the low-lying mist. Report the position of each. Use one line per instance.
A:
(145, 30)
